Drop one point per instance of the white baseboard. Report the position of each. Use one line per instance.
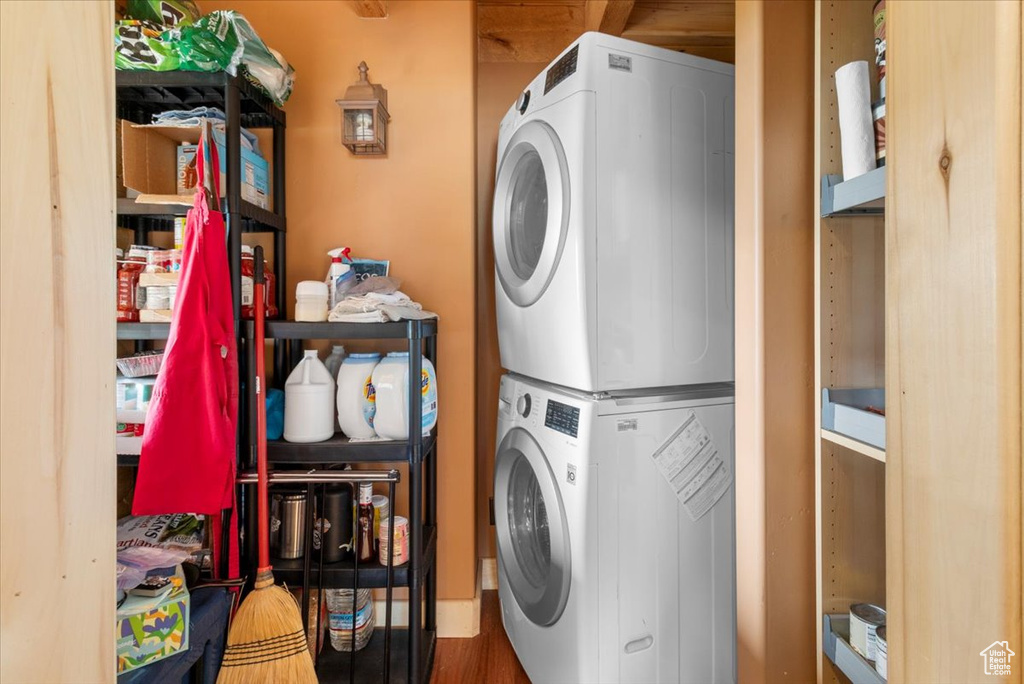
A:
(489, 571)
(456, 618)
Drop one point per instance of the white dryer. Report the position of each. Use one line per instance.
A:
(602, 574)
(613, 220)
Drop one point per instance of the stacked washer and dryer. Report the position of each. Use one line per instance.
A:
(614, 503)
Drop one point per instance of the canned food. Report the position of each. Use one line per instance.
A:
(400, 539)
(865, 619)
(882, 652)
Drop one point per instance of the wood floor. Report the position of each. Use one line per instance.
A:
(487, 657)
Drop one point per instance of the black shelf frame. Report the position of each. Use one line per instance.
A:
(341, 449)
(418, 452)
(334, 667)
(373, 576)
(140, 94)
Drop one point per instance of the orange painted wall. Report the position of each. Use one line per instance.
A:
(498, 85)
(415, 207)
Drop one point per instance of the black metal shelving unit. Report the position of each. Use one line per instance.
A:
(140, 94)
(411, 651)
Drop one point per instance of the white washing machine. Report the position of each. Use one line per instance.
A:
(603, 575)
(613, 220)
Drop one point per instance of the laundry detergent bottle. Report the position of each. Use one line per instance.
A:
(391, 381)
(357, 400)
(309, 401)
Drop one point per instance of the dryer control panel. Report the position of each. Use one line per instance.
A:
(562, 418)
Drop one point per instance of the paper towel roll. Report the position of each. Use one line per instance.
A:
(856, 131)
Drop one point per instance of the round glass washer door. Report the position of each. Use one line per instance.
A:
(533, 535)
(531, 212)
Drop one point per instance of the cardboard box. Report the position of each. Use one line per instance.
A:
(149, 161)
(255, 172)
(149, 630)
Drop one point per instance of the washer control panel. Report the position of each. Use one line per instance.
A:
(562, 418)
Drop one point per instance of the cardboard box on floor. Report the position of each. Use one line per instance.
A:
(149, 163)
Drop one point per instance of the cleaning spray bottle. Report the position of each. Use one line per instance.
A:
(340, 277)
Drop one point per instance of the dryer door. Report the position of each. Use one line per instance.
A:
(531, 212)
(533, 534)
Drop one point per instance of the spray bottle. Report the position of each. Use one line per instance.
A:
(340, 277)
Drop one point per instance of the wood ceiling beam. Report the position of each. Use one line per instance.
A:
(526, 32)
(608, 16)
(370, 9)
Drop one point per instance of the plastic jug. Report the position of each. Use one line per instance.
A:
(309, 401)
(391, 381)
(357, 402)
(333, 361)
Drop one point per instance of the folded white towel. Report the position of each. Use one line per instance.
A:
(375, 307)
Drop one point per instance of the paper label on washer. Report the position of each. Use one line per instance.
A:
(620, 62)
(690, 462)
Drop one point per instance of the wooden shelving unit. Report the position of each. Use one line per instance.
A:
(849, 344)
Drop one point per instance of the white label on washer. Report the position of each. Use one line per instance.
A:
(626, 425)
(570, 473)
(690, 463)
(620, 62)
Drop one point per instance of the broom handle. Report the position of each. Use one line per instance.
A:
(261, 414)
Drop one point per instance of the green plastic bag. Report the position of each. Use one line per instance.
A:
(165, 12)
(225, 40)
(141, 45)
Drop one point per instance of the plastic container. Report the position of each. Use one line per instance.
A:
(391, 382)
(381, 511)
(339, 605)
(309, 401)
(340, 276)
(311, 301)
(335, 359)
(357, 402)
(248, 277)
(141, 364)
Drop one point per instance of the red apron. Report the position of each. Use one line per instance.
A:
(188, 447)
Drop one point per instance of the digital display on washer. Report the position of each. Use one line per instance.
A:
(563, 418)
(562, 69)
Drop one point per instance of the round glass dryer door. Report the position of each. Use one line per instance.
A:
(533, 536)
(531, 212)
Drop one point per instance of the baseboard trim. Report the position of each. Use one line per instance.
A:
(489, 571)
(456, 618)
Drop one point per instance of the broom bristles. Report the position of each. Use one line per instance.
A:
(266, 642)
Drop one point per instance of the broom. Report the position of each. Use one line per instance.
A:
(266, 642)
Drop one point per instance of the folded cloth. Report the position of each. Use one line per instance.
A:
(376, 307)
(195, 117)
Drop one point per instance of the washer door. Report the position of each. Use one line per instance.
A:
(531, 212)
(533, 535)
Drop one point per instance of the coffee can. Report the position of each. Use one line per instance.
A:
(865, 619)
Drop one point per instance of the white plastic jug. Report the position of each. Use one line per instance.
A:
(391, 381)
(309, 401)
(357, 401)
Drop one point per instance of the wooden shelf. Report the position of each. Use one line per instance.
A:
(854, 445)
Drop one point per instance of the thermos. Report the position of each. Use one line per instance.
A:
(336, 523)
(293, 524)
